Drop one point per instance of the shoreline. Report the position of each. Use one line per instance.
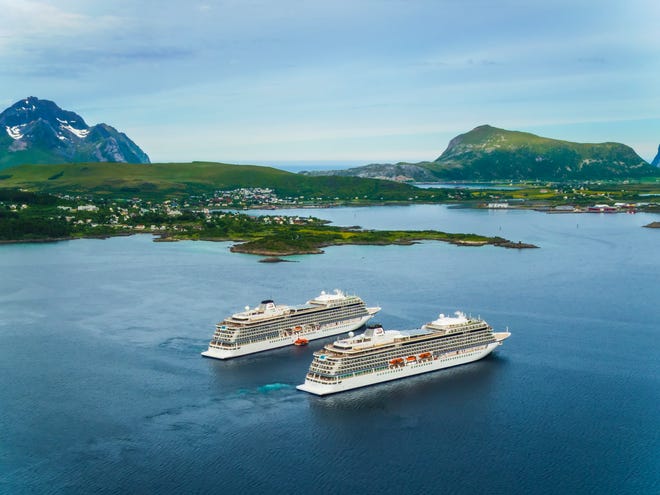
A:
(43, 240)
(274, 253)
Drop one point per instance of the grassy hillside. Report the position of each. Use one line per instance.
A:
(489, 153)
(18, 157)
(177, 179)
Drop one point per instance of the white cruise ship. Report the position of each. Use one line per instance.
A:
(269, 325)
(381, 355)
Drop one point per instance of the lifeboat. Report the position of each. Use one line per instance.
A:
(301, 341)
(411, 359)
(425, 355)
(297, 329)
(396, 362)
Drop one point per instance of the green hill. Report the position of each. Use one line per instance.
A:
(177, 179)
(489, 153)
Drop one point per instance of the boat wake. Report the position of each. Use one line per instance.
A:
(273, 387)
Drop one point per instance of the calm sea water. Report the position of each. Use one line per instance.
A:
(103, 389)
(453, 185)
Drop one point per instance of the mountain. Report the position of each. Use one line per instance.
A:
(487, 153)
(656, 160)
(39, 132)
(402, 172)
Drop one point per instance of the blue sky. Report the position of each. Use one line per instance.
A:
(348, 82)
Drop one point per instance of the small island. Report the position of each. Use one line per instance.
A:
(311, 240)
(653, 225)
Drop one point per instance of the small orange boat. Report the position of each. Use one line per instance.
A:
(396, 361)
(425, 355)
(301, 341)
(411, 358)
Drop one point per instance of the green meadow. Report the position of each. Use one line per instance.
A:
(160, 180)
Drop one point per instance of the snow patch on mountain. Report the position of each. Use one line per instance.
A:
(15, 131)
(81, 133)
(28, 106)
(66, 125)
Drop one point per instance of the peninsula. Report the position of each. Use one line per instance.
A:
(311, 240)
(40, 217)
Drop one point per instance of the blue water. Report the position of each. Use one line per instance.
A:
(463, 185)
(103, 388)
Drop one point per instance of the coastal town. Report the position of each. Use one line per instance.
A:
(219, 215)
(36, 216)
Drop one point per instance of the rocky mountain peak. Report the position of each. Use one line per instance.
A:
(39, 131)
(32, 108)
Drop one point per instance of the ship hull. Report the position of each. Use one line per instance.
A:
(394, 373)
(266, 345)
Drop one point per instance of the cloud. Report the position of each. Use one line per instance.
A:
(29, 16)
(34, 20)
(41, 41)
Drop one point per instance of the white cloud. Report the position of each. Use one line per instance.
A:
(30, 26)
(29, 16)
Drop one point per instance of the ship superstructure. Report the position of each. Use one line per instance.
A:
(380, 355)
(270, 325)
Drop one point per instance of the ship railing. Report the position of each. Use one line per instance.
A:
(472, 326)
(222, 345)
(314, 377)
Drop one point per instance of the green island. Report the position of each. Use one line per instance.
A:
(310, 240)
(40, 217)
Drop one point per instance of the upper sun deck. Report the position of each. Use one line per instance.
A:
(374, 337)
(448, 323)
(268, 309)
(326, 299)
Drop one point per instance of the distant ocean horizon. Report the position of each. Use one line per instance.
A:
(297, 166)
(319, 165)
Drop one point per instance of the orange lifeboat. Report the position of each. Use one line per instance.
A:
(301, 341)
(396, 362)
(410, 359)
(297, 329)
(425, 355)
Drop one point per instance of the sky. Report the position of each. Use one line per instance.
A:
(338, 82)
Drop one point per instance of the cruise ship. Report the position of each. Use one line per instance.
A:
(270, 325)
(380, 355)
